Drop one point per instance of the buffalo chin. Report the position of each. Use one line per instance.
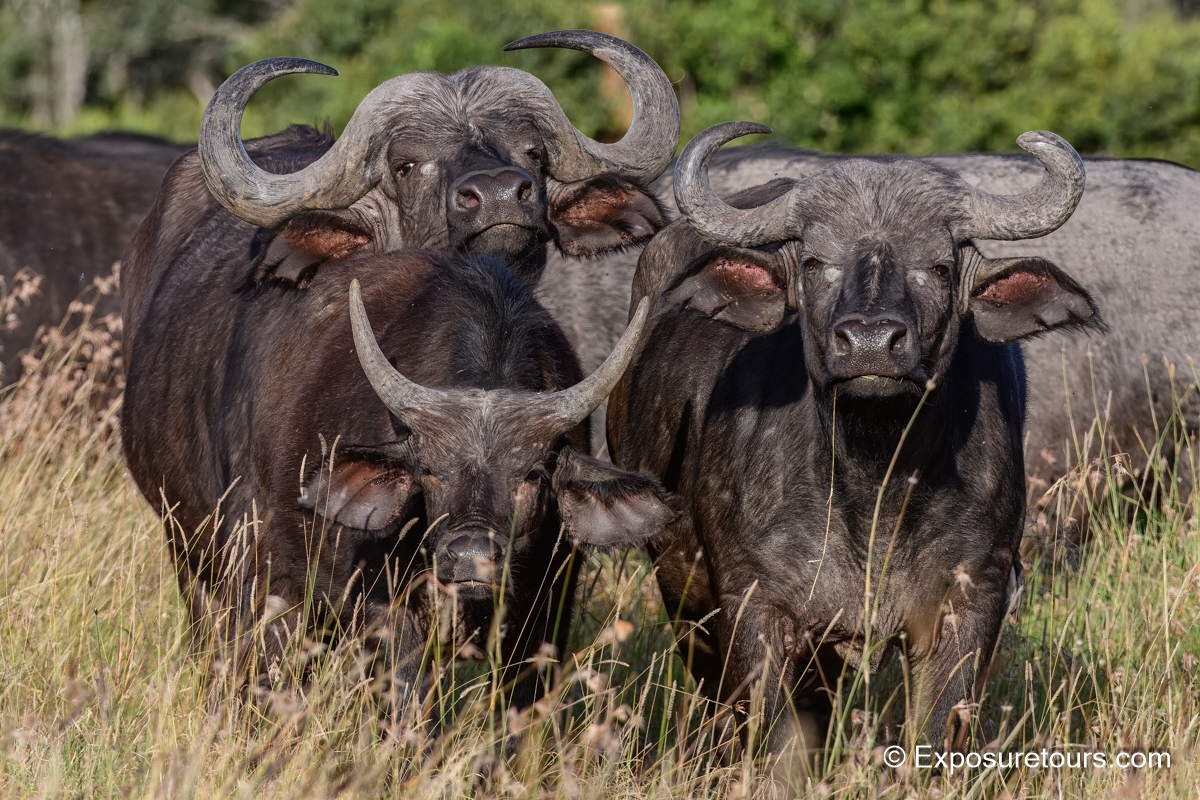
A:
(474, 590)
(508, 240)
(878, 387)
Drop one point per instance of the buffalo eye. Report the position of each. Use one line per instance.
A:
(537, 474)
(810, 263)
(405, 168)
(942, 270)
(535, 155)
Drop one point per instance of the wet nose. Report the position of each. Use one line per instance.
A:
(859, 335)
(873, 346)
(471, 557)
(481, 190)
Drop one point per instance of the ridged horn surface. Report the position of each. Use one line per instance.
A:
(1034, 213)
(711, 216)
(647, 147)
(401, 396)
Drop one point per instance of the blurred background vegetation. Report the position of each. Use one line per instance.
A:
(1120, 77)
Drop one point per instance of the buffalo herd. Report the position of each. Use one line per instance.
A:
(366, 377)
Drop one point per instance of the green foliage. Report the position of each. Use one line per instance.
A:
(1120, 77)
(924, 76)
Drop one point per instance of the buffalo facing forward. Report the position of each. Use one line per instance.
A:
(246, 411)
(795, 339)
(482, 161)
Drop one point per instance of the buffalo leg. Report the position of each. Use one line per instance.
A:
(761, 649)
(951, 673)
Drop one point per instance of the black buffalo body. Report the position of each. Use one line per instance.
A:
(245, 399)
(1133, 241)
(68, 209)
(789, 347)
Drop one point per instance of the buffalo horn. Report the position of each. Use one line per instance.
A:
(397, 392)
(711, 216)
(336, 180)
(572, 406)
(1033, 213)
(649, 144)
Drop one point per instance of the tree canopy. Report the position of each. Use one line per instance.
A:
(1120, 77)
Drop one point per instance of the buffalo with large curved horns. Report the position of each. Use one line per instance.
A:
(483, 160)
(832, 383)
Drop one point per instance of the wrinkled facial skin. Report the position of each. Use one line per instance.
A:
(879, 308)
(481, 476)
(478, 186)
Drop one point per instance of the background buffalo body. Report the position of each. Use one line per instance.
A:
(68, 209)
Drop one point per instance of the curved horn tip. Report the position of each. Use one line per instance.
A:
(711, 139)
(358, 311)
(286, 65)
(1034, 138)
(724, 132)
(748, 128)
(574, 38)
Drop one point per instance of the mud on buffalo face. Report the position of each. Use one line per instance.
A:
(876, 260)
(493, 472)
(482, 161)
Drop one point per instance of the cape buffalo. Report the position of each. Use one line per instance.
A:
(795, 341)
(68, 208)
(481, 161)
(248, 419)
(1135, 212)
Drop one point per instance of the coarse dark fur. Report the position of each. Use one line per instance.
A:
(466, 172)
(68, 208)
(245, 394)
(1133, 241)
(766, 373)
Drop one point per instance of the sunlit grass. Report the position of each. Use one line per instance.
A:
(102, 695)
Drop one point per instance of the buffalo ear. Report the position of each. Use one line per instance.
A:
(307, 241)
(602, 214)
(604, 505)
(358, 493)
(1014, 298)
(733, 286)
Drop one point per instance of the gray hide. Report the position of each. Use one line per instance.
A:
(1133, 242)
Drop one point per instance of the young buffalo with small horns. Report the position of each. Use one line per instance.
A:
(796, 335)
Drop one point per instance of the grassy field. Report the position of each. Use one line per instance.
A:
(101, 696)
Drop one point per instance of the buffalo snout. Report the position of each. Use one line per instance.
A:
(471, 557)
(865, 348)
(496, 211)
(494, 188)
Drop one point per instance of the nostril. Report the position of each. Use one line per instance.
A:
(841, 342)
(846, 335)
(468, 197)
(897, 335)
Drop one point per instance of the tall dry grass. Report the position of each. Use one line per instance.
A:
(101, 695)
